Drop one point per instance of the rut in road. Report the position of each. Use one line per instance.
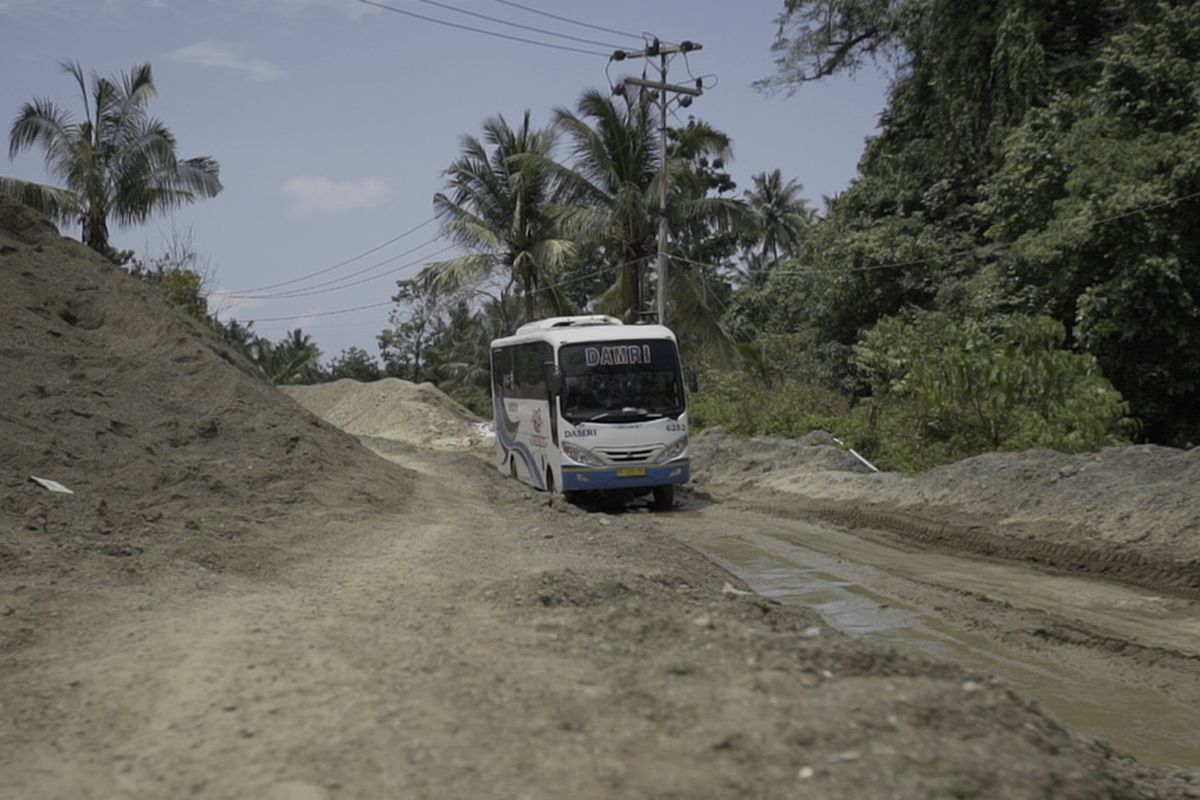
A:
(1110, 661)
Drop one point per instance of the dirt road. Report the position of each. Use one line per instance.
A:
(240, 600)
(1112, 661)
(483, 643)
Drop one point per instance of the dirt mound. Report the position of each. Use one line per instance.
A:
(1139, 499)
(719, 454)
(173, 446)
(416, 413)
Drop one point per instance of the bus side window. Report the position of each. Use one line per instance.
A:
(502, 372)
(527, 367)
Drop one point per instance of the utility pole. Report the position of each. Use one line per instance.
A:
(660, 89)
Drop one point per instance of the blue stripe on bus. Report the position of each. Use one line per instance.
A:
(506, 433)
(599, 478)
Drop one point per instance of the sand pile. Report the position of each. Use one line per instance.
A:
(1144, 497)
(720, 454)
(416, 414)
(165, 435)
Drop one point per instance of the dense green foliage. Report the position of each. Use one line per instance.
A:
(744, 406)
(1034, 159)
(355, 364)
(938, 391)
(962, 389)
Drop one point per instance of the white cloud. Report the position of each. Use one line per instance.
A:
(211, 53)
(322, 195)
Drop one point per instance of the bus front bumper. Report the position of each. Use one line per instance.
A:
(585, 479)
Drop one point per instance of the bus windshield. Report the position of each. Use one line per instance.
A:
(620, 381)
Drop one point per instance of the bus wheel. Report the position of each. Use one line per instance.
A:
(549, 479)
(664, 496)
(512, 466)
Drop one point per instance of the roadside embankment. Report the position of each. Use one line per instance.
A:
(1130, 514)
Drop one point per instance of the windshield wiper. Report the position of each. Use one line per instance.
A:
(612, 413)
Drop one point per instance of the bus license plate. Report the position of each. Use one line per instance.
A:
(631, 472)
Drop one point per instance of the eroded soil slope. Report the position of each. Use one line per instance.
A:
(173, 447)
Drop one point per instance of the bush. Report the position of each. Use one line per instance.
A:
(478, 401)
(940, 392)
(963, 390)
(747, 406)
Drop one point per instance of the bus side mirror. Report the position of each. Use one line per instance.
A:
(553, 378)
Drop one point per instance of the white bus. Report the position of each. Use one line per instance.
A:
(588, 404)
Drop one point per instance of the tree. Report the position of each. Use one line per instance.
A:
(445, 338)
(240, 337)
(976, 390)
(497, 206)
(180, 272)
(819, 38)
(707, 225)
(293, 359)
(610, 180)
(422, 308)
(1094, 202)
(354, 363)
(781, 219)
(613, 183)
(916, 227)
(118, 162)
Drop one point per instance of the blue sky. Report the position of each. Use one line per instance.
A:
(332, 120)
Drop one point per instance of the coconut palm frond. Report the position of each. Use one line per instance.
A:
(455, 273)
(695, 316)
(116, 163)
(59, 205)
(494, 203)
(40, 121)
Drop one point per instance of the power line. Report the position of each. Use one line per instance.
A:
(592, 274)
(477, 15)
(576, 279)
(323, 313)
(337, 285)
(569, 20)
(393, 271)
(485, 32)
(364, 254)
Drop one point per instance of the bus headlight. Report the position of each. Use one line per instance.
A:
(675, 449)
(581, 455)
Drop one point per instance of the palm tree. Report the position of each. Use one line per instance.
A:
(291, 360)
(614, 186)
(614, 149)
(497, 206)
(117, 162)
(781, 217)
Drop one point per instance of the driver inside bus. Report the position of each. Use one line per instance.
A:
(583, 394)
(659, 396)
